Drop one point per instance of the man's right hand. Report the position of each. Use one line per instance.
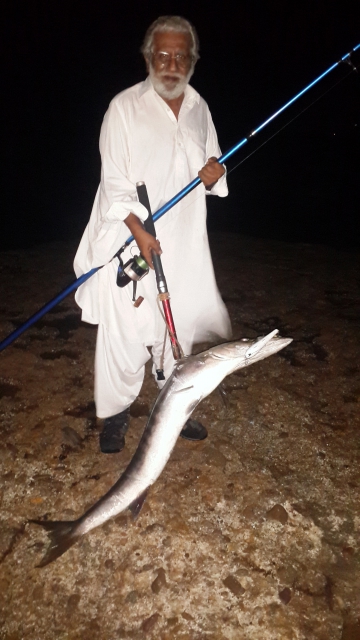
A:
(144, 240)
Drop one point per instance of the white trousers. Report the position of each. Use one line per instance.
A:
(120, 368)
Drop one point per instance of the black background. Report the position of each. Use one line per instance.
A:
(64, 61)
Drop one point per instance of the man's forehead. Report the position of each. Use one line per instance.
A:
(164, 40)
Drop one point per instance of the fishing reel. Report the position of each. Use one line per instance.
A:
(134, 269)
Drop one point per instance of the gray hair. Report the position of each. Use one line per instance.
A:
(170, 23)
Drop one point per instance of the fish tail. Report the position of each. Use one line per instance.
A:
(62, 536)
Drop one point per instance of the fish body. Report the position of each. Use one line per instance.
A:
(192, 379)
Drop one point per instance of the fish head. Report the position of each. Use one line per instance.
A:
(244, 352)
(200, 374)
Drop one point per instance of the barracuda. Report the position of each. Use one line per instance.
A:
(192, 379)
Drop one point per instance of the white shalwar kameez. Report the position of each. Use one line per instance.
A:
(141, 140)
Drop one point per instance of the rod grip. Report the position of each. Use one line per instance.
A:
(150, 228)
(144, 200)
(157, 265)
(159, 273)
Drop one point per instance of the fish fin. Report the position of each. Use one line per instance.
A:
(62, 537)
(223, 395)
(136, 506)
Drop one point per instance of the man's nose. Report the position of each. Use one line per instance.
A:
(173, 64)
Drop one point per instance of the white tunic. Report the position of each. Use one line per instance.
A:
(141, 140)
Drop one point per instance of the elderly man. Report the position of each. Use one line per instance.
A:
(159, 131)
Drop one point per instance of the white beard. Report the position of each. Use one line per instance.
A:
(161, 88)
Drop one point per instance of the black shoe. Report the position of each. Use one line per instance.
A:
(112, 437)
(193, 430)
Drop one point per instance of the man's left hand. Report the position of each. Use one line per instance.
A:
(211, 172)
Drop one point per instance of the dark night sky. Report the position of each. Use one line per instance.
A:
(64, 61)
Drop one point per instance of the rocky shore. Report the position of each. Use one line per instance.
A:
(252, 534)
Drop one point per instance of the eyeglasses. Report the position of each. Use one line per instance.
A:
(163, 58)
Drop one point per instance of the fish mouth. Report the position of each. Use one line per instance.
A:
(260, 343)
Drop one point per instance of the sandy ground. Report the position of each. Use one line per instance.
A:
(252, 534)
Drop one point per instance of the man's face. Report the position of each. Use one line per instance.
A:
(170, 65)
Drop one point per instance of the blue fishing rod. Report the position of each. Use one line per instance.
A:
(171, 203)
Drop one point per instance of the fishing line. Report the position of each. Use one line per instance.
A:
(179, 196)
(289, 122)
(228, 171)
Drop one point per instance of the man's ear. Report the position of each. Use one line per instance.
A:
(147, 62)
